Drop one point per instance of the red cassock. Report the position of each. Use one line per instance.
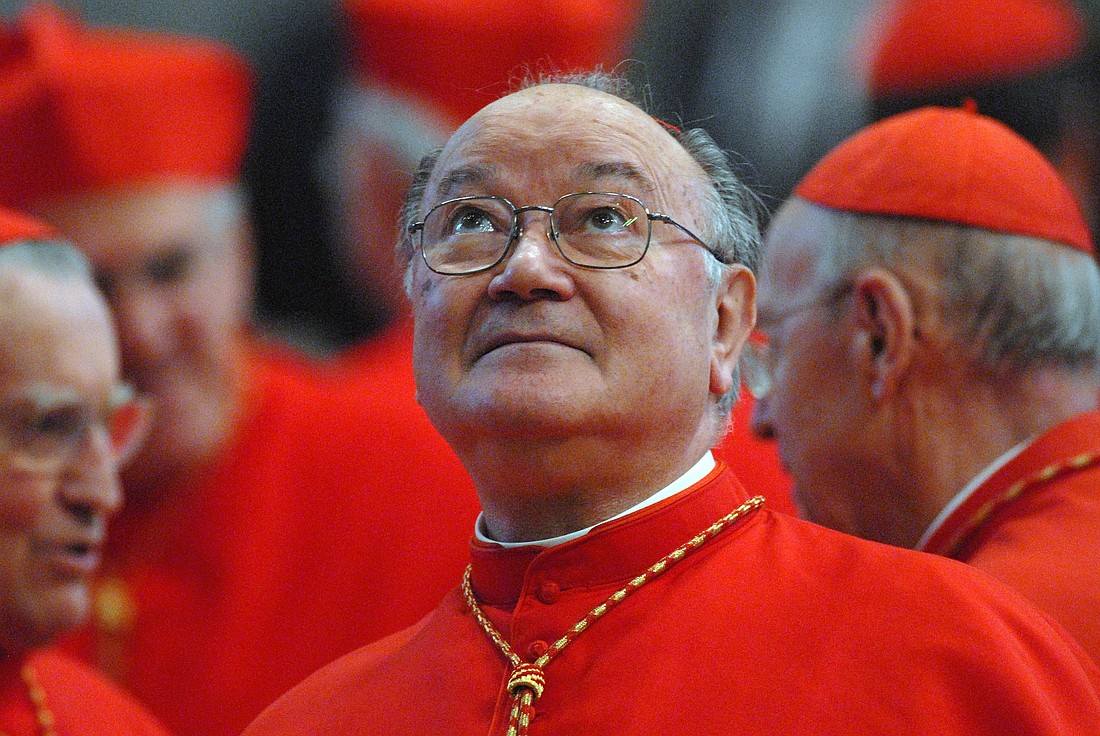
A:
(754, 461)
(335, 517)
(81, 701)
(775, 626)
(1035, 524)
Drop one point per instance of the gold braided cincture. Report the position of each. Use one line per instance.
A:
(1049, 473)
(42, 713)
(526, 680)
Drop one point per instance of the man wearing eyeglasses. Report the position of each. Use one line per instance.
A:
(932, 301)
(581, 280)
(231, 572)
(567, 35)
(66, 424)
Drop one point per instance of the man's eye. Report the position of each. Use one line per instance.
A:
(607, 220)
(170, 268)
(57, 424)
(107, 284)
(471, 220)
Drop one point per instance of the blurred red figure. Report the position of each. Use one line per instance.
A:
(274, 520)
(1024, 62)
(66, 423)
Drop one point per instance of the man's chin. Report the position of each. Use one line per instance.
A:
(54, 612)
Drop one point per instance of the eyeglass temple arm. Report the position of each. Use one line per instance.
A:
(666, 219)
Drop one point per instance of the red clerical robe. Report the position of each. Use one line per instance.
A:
(333, 518)
(81, 702)
(776, 626)
(754, 461)
(1035, 524)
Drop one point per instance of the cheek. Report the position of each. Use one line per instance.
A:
(207, 322)
(443, 306)
(23, 501)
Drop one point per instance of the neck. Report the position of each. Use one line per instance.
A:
(966, 425)
(530, 492)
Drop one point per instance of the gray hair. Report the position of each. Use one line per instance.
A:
(369, 113)
(733, 210)
(1011, 302)
(54, 258)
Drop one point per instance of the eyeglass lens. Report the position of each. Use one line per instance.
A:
(46, 436)
(599, 230)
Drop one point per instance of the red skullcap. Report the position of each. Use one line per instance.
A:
(459, 55)
(84, 109)
(15, 226)
(952, 165)
(925, 45)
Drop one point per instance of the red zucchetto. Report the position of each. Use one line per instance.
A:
(85, 109)
(952, 165)
(15, 226)
(917, 46)
(459, 55)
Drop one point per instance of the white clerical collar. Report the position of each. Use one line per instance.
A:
(695, 474)
(968, 491)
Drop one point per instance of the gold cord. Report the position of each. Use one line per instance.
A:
(526, 681)
(43, 716)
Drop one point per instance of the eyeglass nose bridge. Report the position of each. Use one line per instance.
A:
(517, 229)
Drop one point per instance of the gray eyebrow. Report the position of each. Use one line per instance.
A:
(616, 170)
(461, 176)
(44, 397)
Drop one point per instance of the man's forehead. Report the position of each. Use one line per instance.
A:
(561, 101)
(618, 138)
(486, 174)
(129, 230)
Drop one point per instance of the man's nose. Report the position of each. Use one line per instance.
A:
(90, 487)
(534, 268)
(143, 317)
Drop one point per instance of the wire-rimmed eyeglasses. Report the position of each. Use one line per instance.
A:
(601, 230)
(758, 357)
(43, 434)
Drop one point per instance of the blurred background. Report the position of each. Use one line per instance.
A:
(778, 82)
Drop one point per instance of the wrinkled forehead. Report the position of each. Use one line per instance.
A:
(561, 138)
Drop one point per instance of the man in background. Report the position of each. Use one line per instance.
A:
(66, 423)
(932, 303)
(249, 550)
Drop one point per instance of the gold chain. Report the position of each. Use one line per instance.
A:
(43, 716)
(526, 681)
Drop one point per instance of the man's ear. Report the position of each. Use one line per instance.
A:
(885, 329)
(735, 305)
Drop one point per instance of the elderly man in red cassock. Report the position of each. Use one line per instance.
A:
(274, 520)
(415, 81)
(582, 287)
(933, 305)
(65, 425)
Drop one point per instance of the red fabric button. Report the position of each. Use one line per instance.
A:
(548, 592)
(536, 649)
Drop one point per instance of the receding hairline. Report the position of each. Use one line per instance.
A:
(590, 170)
(445, 178)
